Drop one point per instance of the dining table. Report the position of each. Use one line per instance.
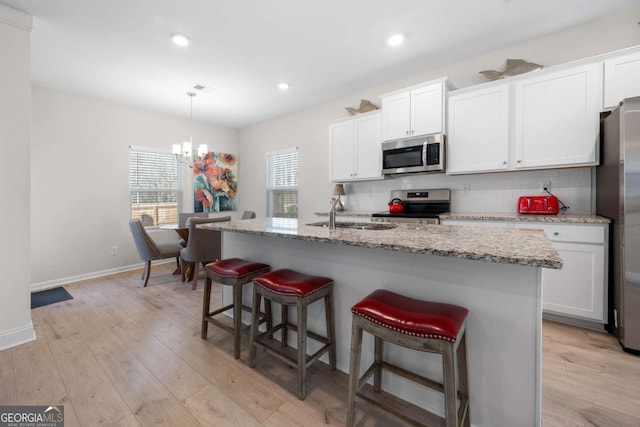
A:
(183, 232)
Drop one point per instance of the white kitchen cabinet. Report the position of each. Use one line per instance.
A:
(557, 118)
(478, 130)
(549, 119)
(355, 148)
(418, 110)
(579, 289)
(621, 78)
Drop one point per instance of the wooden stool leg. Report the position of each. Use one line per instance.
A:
(255, 313)
(449, 383)
(206, 304)
(237, 318)
(331, 331)
(284, 318)
(302, 349)
(377, 375)
(354, 370)
(462, 378)
(268, 313)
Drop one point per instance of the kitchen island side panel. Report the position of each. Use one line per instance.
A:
(503, 326)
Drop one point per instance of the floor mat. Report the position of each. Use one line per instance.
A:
(50, 296)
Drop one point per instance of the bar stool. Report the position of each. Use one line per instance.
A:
(290, 288)
(419, 325)
(234, 272)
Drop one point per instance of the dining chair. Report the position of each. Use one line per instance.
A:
(149, 250)
(248, 215)
(203, 246)
(183, 217)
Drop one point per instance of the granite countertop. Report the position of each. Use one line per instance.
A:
(500, 245)
(484, 216)
(560, 218)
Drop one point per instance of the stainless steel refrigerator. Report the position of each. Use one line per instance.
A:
(618, 198)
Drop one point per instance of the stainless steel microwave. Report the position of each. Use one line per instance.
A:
(411, 155)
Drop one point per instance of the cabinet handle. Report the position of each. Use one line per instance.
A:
(406, 132)
(504, 163)
(556, 233)
(519, 161)
(413, 131)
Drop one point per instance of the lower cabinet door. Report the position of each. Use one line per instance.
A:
(578, 289)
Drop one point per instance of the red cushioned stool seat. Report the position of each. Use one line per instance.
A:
(410, 316)
(236, 267)
(289, 282)
(291, 288)
(419, 325)
(234, 272)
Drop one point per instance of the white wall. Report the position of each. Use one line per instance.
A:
(15, 100)
(80, 184)
(489, 192)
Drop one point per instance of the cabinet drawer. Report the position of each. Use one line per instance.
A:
(570, 233)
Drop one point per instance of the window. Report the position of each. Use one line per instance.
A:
(282, 184)
(155, 186)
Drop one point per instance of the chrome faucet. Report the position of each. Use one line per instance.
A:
(332, 213)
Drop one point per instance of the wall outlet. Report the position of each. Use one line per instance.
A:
(466, 188)
(545, 185)
(114, 250)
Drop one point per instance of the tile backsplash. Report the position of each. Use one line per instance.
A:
(491, 192)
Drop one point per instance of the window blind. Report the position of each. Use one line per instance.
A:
(155, 187)
(282, 184)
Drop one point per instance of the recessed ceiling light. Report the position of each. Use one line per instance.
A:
(283, 86)
(179, 39)
(395, 40)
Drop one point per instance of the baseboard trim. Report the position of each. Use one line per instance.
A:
(587, 324)
(41, 286)
(17, 336)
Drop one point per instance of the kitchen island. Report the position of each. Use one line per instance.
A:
(495, 273)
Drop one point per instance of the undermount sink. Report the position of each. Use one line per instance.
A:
(356, 225)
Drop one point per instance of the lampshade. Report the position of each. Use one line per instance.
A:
(338, 190)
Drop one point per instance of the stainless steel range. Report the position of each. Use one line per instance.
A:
(418, 206)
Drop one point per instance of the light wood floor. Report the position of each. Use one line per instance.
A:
(121, 355)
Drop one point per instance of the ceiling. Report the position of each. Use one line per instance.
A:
(119, 50)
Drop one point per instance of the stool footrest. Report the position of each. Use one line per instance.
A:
(221, 310)
(285, 352)
(403, 373)
(400, 410)
(229, 328)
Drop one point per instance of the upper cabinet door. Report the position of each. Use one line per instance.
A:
(557, 118)
(355, 148)
(427, 110)
(341, 150)
(396, 116)
(478, 131)
(368, 147)
(621, 79)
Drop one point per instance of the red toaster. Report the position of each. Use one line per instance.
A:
(538, 205)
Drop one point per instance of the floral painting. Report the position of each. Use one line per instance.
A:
(214, 183)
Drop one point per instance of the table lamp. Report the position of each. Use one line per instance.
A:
(338, 190)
